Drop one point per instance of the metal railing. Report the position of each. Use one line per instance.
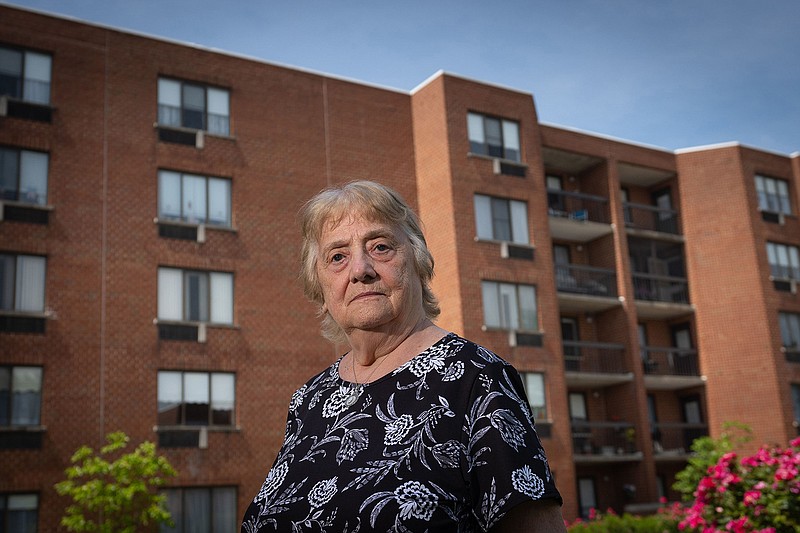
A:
(603, 438)
(577, 206)
(599, 357)
(651, 218)
(657, 288)
(583, 279)
(671, 438)
(669, 361)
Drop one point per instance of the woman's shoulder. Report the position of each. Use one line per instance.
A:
(466, 349)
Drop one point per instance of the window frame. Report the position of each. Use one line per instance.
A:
(20, 164)
(486, 217)
(166, 110)
(768, 198)
(492, 295)
(9, 372)
(166, 404)
(479, 145)
(540, 412)
(183, 217)
(16, 294)
(780, 269)
(204, 298)
(789, 325)
(179, 517)
(6, 507)
(22, 79)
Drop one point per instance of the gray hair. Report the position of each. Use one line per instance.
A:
(379, 204)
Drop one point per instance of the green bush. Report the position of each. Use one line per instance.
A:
(663, 522)
(118, 496)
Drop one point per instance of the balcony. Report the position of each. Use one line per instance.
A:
(585, 288)
(595, 364)
(670, 368)
(604, 442)
(651, 221)
(576, 216)
(661, 297)
(672, 441)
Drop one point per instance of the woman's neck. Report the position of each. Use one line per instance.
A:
(387, 349)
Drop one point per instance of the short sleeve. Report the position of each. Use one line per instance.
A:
(506, 464)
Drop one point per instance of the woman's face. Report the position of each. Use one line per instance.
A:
(368, 277)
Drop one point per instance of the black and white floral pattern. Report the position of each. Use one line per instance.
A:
(444, 443)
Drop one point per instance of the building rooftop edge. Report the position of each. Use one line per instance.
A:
(346, 79)
(732, 144)
(201, 47)
(605, 136)
(441, 72)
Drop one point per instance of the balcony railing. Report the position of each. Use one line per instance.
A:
(669, 361)
(603, 438)
(583, 279)
(656, 288)
(597, 357)
(675, 438)
(577, 206)
(649, 217)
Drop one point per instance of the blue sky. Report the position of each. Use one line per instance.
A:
(668, 73)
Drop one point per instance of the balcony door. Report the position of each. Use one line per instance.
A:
(570, 335)
(684, 360)
(665, 220)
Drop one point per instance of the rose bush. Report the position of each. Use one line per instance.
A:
(758, 494)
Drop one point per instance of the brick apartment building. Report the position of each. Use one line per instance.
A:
(149, 257)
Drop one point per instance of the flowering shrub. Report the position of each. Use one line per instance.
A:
(759, 494)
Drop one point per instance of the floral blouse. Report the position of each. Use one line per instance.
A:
(446, 442)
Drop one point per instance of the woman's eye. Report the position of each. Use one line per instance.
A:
(382, 247)
(335, 258)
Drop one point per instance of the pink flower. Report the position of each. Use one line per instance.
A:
(751, 497)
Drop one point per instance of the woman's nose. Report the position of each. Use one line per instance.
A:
(361, 267)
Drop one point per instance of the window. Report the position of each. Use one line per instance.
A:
(23, 176)
(790, 331)
(195, 296)
(501, 219)
(202, 510)
(587, 497)
(196, 398)
(22, 283)
(194, 199)
(25, 75)
(20, 396)
(193, 106)
(493, 137)
(784, 261)
(509, 306)
(534, 388)
(773, 195)
(19, 512)
(796, 404)
(577, 406)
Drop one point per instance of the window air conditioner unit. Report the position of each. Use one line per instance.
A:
(508, 168)
(199, 139)
(793, 286)
(781, 219)
(514, 251)
(203, 438)
(512, 338)
(201, 332)
(201, 233)
(4, 105)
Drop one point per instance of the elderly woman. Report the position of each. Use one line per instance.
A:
(414, 428)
